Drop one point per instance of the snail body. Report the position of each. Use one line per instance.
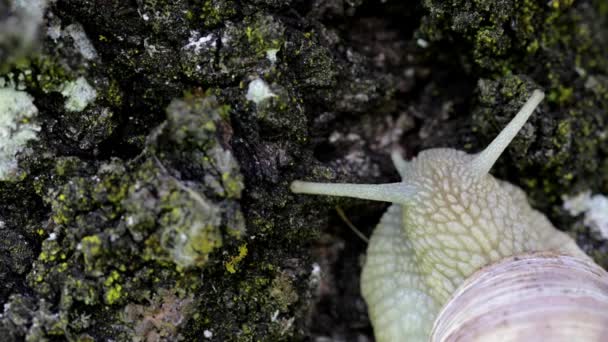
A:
(450, 218)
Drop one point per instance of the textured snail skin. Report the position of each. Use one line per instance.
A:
(450, 217)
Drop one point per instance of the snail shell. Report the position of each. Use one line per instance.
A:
(531, 297)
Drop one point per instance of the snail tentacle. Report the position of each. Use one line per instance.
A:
(392, 192)
(484, 160)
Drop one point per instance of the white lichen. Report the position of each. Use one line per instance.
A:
(17, 110)
(577, 204)
(271, 55)
(53, 30)
(259, 91)
(595, 208)
(81, 41)
(78, 94)
(198, 43)
(19, 27)
(422, 43)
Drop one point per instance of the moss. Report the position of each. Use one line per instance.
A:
(91, 248)
(231, 265)
(283, 291)
(495, 50)
(114, 94)
(280, 113)
(214, 12)
(561, 4)
(113, 294)
(244, 47)
(111, 214)
(263, 34)
(48, 74)
(68, 167)
(111, 190)
(561, 95)
(563, 132)
(113, 289)
(190, 241)
(560, 36)
(165, 16)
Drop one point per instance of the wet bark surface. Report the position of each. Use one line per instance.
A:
(148, 147)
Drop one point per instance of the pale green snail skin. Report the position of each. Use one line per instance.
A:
(450, 218)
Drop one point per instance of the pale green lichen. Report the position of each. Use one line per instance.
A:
(79, 94)
(17, 110)
(271, 55)
(259, 91)
(189, 239)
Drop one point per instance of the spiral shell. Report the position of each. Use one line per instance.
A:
(531, 297)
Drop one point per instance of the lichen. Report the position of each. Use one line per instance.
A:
(177, 229)
(79, 94)
(19, 29)
(258, 91)
(232, 264)
(17, 128)
(159, 321)
(131, 191)
(595, 209)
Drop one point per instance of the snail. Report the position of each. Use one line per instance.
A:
(462, 256)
